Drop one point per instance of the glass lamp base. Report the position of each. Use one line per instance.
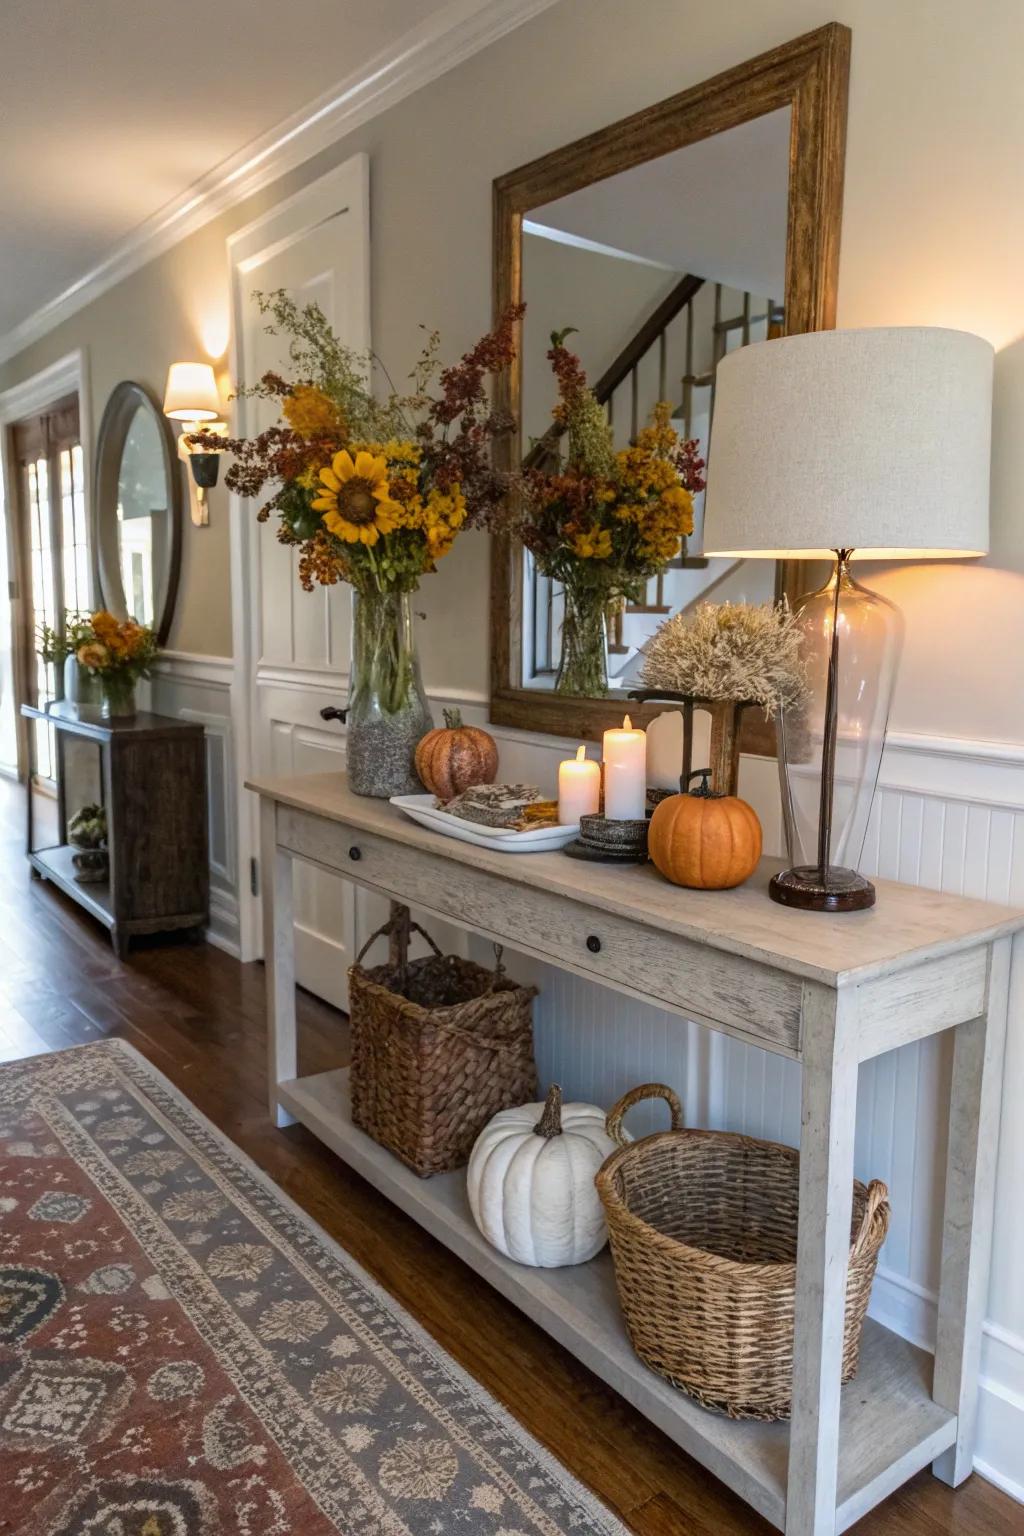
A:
(841, 890)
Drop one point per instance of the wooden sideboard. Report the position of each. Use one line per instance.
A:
(149, 773)
(828, 991)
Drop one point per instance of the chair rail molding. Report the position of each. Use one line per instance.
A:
(193, 667)
(426, 51)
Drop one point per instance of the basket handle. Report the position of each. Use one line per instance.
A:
(613, 1124)
(878, 1210)
(387, 929)
(498, 975)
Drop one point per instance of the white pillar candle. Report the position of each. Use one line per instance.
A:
(579, 788)
(625, 773)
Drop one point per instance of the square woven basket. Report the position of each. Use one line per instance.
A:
(439, 1045)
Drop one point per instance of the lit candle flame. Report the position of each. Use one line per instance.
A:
(581, 753)
(627, 724)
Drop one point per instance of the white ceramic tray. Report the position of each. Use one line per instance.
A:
(422, 808)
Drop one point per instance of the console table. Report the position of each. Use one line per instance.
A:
(150, 776)
(828, 991)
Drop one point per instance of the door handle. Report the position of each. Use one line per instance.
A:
(332, 712)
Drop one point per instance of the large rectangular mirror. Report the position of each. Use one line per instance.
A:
(705, 223)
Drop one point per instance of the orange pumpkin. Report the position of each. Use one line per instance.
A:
(454, 757)
(705, 841)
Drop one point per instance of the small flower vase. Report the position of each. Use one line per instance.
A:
(583, 665)
(388, 714)
(118, 696)
(82, 691)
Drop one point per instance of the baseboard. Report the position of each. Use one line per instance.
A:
(909, 1309)
(1001, 1431)
(222, 930)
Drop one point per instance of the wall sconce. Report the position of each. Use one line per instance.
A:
(191, 397)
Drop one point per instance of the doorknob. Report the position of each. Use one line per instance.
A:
(332, 712)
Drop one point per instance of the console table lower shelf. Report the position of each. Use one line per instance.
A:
(889, 1425)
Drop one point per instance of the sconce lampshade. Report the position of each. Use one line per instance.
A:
(872, 440)
(191, 393)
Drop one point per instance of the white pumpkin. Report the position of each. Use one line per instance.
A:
(531, 1182)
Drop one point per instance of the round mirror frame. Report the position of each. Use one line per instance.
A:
(125, 399)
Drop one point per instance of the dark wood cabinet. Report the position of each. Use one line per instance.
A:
(149, 773)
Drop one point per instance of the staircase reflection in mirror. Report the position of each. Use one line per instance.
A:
(662, 270)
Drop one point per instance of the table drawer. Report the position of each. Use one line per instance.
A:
(726, 991)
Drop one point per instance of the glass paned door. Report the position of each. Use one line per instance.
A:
(54, 565)
(74, 535)
(44, 606)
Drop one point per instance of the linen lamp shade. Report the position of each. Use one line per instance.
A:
(876, 441)
(191, 393)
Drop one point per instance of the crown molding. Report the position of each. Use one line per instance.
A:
(452, 35)
(28, 397)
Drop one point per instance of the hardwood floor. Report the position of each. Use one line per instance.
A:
(199, 1016)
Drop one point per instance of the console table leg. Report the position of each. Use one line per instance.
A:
(279, 960)
(828, 1121)
(967, 1223)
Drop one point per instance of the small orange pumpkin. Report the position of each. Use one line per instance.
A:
(454, 757)
(705, 841)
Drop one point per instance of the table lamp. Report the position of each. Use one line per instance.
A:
(867, 444)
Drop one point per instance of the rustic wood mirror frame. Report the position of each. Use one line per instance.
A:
(810, 76)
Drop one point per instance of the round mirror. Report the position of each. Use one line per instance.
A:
(137, 510)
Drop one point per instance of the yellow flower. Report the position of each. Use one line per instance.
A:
(355, 498)
(678, 503)
(401, 451)
(104, 626)
(308, 411)
(448, 507)
(593, 544)
(93, 655)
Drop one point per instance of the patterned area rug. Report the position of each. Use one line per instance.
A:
(184, 1353)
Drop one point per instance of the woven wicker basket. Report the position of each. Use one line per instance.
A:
(439, 1045)
(702, 1227)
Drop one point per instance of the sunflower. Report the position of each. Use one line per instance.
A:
(355, 498)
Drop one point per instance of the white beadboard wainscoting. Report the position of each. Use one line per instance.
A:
(948, 814)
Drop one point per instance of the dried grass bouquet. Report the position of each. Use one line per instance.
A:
(738, 651)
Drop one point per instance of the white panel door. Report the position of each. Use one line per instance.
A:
(292, 647)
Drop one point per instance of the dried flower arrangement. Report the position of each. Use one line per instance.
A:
(736, 651)
(371, 491)
(374, 491)
(604, 522)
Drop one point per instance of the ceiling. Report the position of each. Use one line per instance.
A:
(717, 208)
(109, 111)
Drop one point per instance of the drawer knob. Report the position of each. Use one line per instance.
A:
(593, 943)
(355, 854)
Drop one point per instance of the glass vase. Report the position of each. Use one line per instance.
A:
(388, 713)
(583, 663)
(825, 831)
(82, 691)
(118, 696)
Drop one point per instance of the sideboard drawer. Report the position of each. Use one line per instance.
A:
(726, 991)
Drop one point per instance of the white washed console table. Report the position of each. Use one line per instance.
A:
(829, 991)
